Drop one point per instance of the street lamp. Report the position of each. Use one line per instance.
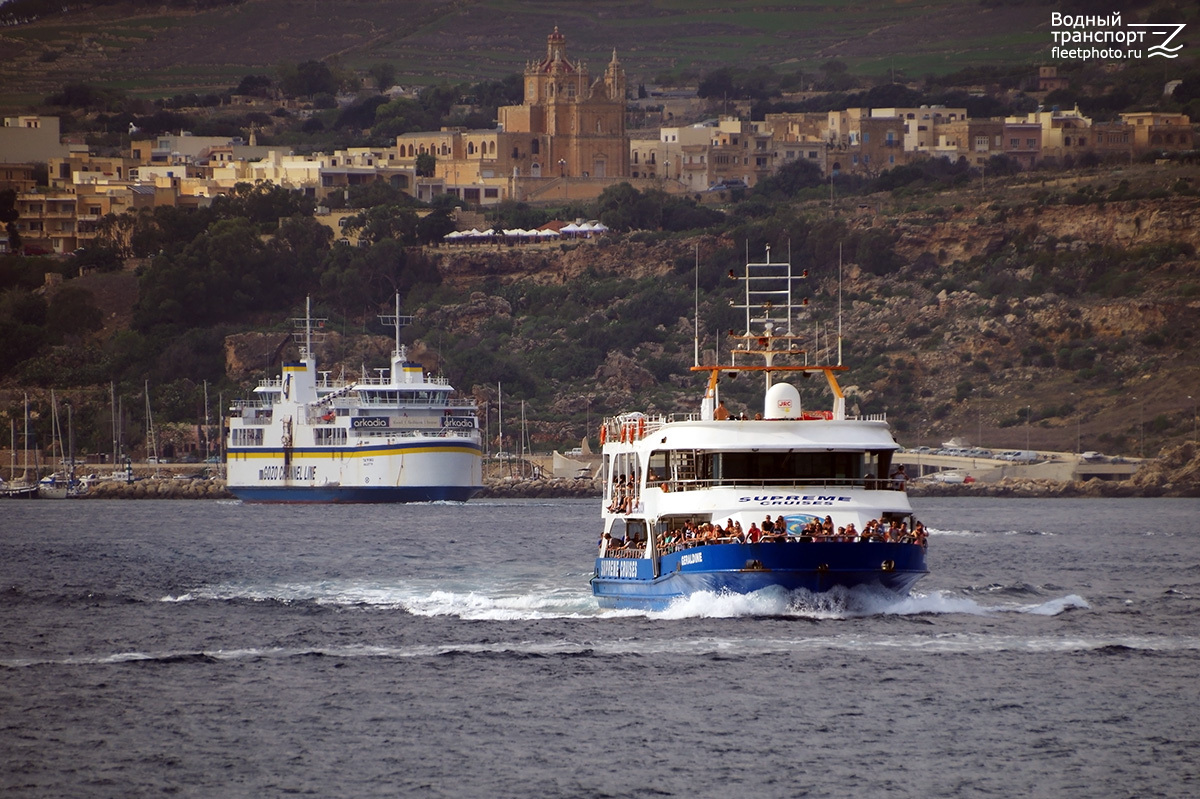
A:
(562, 175)
(1078, 418)
(1028, 416)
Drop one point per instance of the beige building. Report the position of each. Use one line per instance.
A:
(1154, 130)
(567, 139)
(30, 139)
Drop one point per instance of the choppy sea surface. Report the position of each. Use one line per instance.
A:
(219, 649)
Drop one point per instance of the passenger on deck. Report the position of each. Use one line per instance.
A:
(618, 494)
(851, 532)
(899, 478)
(768, 526)
(721, 413)
(754, 534)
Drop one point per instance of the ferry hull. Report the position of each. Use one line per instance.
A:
(424, 472)
(354, 495)
(745, 568)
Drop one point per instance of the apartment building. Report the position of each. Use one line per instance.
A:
(30, 139)
(1155, 130)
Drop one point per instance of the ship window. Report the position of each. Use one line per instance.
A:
(778, 468)
(248, 437)
(635, 530)
(329, 436)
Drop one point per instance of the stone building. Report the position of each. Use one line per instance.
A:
(572, 126)
(566, 140)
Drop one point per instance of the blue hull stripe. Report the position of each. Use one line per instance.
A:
(348, 494)
(374, 449)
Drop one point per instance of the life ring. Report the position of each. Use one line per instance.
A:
(642, 427)
(603, 434)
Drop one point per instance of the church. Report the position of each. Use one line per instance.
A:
(567, 140)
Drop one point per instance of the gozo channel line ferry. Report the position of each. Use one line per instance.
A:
(402, 436)
(794, 498)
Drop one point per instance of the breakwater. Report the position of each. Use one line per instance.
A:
(199, 488)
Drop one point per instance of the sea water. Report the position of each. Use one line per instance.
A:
(218, 649)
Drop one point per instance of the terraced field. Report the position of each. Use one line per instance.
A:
(165, 52)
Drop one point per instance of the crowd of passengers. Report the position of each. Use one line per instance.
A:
(694, 535)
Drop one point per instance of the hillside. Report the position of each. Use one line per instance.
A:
(1047, 323)
(1045, 311)
(157, 51)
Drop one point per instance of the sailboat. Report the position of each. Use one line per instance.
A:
(23, 488)
(60, 484)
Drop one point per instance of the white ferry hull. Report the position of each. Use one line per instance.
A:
(424, 470)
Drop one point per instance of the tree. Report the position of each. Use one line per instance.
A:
(426, 165)
(8, 217)
(307, 79)
(71, 313)
(384, 75)
(791, 178)
(433, 227)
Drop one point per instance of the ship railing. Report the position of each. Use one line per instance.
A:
(420, 432)
(869, 483)
(428, 380)
(625, 552)
(633, 426)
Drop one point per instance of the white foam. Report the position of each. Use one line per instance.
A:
(499, 602)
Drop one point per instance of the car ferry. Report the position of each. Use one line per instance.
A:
(401, 436)
(687, 497)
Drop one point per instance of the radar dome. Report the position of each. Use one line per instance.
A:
(782, 402)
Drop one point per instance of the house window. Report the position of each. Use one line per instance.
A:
(535, 147)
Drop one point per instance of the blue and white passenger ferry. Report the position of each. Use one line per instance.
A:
(685, 496)
(402, 436)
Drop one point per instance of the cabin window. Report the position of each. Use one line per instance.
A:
(329, 436)
(248, 437)
(635, 530)
(781, 468)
